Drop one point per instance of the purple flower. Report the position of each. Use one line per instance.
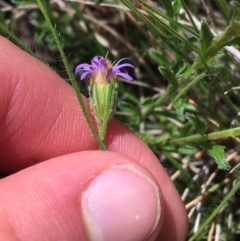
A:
(102, 70)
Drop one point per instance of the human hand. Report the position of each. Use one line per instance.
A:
(74, 192)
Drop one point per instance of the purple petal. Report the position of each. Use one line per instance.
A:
(120, 71)
(95, 64)
(96, 61)
(109, 73)
(123, 65)
(95, 58)
(102, 62)
(82, 67)
(84, 75)
(125, 76)
(115, 65)
(98, 64)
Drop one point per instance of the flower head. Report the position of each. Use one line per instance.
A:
(103, 91)
(102, 70)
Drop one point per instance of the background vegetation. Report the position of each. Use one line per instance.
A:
(184, 102)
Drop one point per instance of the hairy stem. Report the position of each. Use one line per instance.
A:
(70, 74)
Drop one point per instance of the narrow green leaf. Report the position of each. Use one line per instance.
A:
(147, 101)
(185, 70)
(176, 7)
(206, 37)
(24, 1)
(170, 77)
(217, 152)
(172, 84)
(128, 107)
(153, 140)
(198, 123)
(186, 129)
(179, 107)
(159, 57)
(168, 6)
(177, 165)
(215, 212)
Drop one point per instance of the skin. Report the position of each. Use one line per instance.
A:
(46, 146)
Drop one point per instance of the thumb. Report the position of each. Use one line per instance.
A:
(91, 195)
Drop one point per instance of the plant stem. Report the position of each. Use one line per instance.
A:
(17, 41)
(102, 130)
(70, 74)
(191, 84)
(207, 137)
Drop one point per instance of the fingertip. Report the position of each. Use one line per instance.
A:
(122, 204)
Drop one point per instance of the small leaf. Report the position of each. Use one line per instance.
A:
(153, 140)
(198, 123)
(158, 57)
(213, 58)
(147, 102)
(129, 108)
(176, 7)
(177, 165)
(186, 130)
(185, 70)
(183, 149)
(206, 37)
(170, 77)
(179, 107)
(217, 152)
(168, 7)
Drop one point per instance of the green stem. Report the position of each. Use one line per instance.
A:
(102, 130)
(165, 96)
(216, 211)
(17, 41)
(207, 137)
(191, 84)
(70, 74)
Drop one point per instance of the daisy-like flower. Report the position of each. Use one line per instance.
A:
(102, 70)
(103, 91)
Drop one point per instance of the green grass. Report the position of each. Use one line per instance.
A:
(184, 102)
